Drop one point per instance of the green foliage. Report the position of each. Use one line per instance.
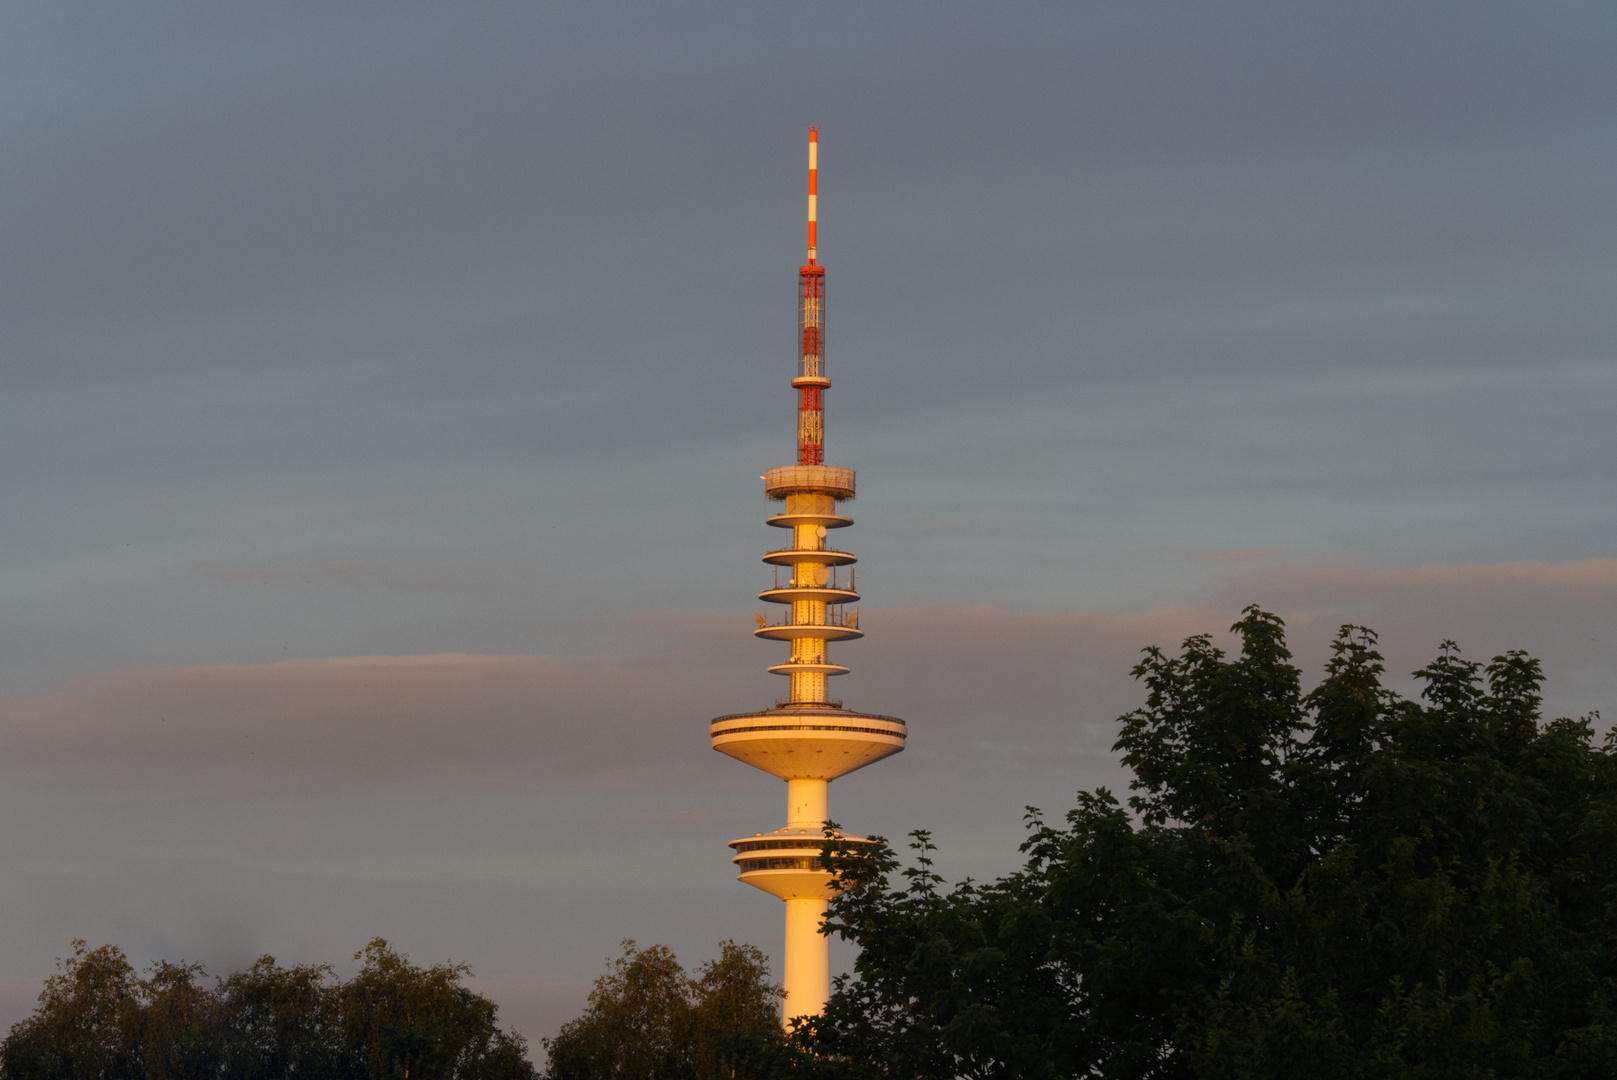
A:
(648, 1020)
(400, 1020)
(89, 1021)
(281, 1022)
(98, 1020)
(1341, 883)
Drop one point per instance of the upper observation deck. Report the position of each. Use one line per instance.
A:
(809, 480)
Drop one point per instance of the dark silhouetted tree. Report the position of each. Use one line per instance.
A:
(410, 1022)
(98, 1020)
(648, 1020)
(1336, 884)
(281, 1022)
(88, 1023)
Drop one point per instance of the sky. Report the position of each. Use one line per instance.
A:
(385, 389)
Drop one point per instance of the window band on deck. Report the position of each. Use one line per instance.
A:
(810, 727)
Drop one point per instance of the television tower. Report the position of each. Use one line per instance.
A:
(807, 739)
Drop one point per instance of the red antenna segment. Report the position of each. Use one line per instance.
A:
(811, 381)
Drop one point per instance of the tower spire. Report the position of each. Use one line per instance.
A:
(807, 739)
(811, 381)
(814, 192)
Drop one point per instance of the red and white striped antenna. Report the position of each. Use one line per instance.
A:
(814, 190)
(811, 381)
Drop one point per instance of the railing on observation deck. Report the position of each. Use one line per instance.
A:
(838, 483)
(834, 616)
(831, 581)
(798, 550)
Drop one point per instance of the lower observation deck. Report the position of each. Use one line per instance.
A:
(789, 863)
(809, 741)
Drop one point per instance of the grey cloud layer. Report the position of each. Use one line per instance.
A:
(1038, 690)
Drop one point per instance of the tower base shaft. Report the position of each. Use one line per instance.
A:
(808, 959)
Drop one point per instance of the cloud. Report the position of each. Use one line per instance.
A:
(506, 720)
(1594, 580)
(1241, 554)
(1563, 613)
(983, 687)
(1024, 689)
(535, 1007)
(18, 999)
(975, 680)
(407, 575)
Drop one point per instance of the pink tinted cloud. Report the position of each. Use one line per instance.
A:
(1563, 613)
(509, 719)
(1022, 690)
(1588, 581)
(969, 678)
(993, 677)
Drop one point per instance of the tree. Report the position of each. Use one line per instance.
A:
(281, 1022)
(87, 1024)
(98, 1020)
(731, 994)
(648, 1020)
(401, 1020)
(1341, 883)
(177, 1034)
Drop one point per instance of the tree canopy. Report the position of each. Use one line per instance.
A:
(647, 1019)
(1340, 883)
(99, 1019)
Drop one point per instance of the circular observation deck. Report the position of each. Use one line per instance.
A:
(795, 666)
(810, 741)
(809, 480)
(789, 863)
(791, 521)
(827, 631)
(817, 556)
(822, 593)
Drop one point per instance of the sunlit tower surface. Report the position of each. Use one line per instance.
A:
(807, 739)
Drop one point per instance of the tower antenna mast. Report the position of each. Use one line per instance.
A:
(811, 382)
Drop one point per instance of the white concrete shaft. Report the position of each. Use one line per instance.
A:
(808, 960)
(805, 803)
